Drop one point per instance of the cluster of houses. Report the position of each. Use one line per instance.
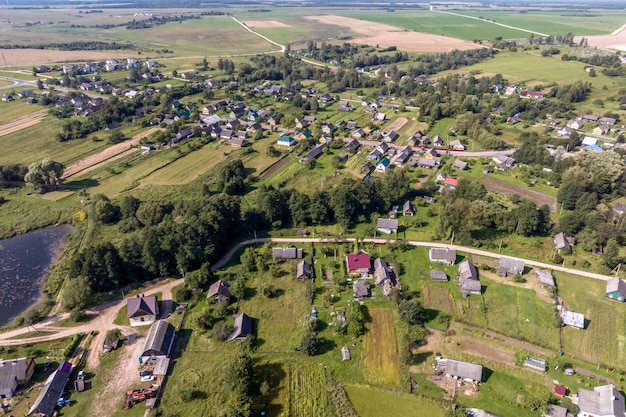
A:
(382, 274)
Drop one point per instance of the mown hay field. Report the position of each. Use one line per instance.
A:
(381, 348)
(371, 402)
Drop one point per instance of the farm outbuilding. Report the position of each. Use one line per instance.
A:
(466, 371)
(442, 255)
(286, 253)
(242, 328)
(52, 390)
(535, 363)
(510, 266)
(545, 278)
(159, 341)
(570, 318)
(437, 275)
(303, 271)
(345, 354)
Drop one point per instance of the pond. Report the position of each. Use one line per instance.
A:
(25, 260)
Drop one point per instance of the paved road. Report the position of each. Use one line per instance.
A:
(106, 313)
(17, 83)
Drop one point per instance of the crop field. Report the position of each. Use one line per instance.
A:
(371, 402)
(15, 110)
(384, 35)
(438, 24)
(190, 167)
(604, 338)
(38, 142)
(308, 395)
(556, 23)
(381, 349)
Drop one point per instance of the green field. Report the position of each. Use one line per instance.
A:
(381, 349)
(371, 402)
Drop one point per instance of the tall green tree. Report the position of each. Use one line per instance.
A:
(44, 173)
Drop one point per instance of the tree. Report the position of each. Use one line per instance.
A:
(309, 344)
(76, 294)
(411, 311)
(129, 206)
(44, 173)
(197, 279)
(356, 319)
(181, 293)
(610, 256)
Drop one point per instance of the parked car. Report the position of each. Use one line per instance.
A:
(147, 378)
(81, 375)
(145, 373)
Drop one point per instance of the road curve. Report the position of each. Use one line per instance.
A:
(106, 313)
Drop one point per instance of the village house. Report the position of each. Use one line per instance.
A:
(616, 289)
(353, 145)
(575, 124)
(358, 263)
(142, 310)
(383, 165)
(408, 209)
(603, 401)
(387, 226)
(457, 145)
(563, 243)
(601, 130)
(242, 327)
(450, 183)
(460, 165)
(442, 255)
(466, 371)
(468, 279)
(286, 253)
(286, 140)
(314, 153)
(219, 292)
(384, 276)
(15, 372)
(509, 266)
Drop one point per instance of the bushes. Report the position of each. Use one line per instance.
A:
(72, 345)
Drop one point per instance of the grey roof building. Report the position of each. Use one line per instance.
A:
(303, 270)
(220, 290)
(604, 401)
(387, 226)
(54, 387)
(286, 253)
(242, 328)
(510, 266)
(465, 370)
(360, 289)
(437, 275)
(159, 341)
(545, 277)
(562, 242)
(442, 255)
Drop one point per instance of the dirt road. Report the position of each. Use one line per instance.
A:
(111, 153)
(23, 122)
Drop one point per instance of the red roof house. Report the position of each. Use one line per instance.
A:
(358, 263)
(450, 182)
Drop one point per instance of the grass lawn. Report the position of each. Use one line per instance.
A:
(372, 402)
(16, 109)
(381, 348)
